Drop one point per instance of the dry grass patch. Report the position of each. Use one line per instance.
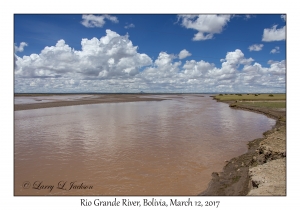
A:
(251, 97)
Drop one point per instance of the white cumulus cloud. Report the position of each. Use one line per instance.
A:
(256, 47)
(113, 64)
(194, 69)
(21, 47)
(275, 50)
(131, 25)
(206, 25)
(110, 56)
(183, 54)
(274, 34)
(283, 17)
(92, 21)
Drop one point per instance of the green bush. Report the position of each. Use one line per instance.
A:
(270, 95)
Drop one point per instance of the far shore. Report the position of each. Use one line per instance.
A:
(96, 99)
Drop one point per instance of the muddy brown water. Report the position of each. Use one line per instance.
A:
(166, 147)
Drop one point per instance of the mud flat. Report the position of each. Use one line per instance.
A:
(260, 171)
(88, 99)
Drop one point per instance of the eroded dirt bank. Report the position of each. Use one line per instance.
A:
(260, 171)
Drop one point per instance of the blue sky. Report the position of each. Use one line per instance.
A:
(150, 53)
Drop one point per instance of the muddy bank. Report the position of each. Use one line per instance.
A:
(260, 171)
(96, 99)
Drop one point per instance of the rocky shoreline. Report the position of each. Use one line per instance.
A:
(260, 171)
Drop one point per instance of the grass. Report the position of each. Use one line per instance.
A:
(265, 104)
(251, 97)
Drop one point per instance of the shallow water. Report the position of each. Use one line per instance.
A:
(166, 147)
(51, 98)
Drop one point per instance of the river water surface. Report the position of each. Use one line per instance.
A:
(166, 147)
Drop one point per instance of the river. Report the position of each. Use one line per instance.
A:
(168, 147)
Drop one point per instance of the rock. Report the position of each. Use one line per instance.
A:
(254, 158)
(269, 178)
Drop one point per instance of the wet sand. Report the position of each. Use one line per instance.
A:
(90, 99)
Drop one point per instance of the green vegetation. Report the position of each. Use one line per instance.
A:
(251, 97)
(264, 104)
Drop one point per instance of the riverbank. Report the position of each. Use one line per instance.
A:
(85, 99)
(262, 170)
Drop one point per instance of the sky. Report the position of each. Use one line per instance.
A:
(165, 53)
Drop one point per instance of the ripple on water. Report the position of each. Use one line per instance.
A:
(141, 148)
